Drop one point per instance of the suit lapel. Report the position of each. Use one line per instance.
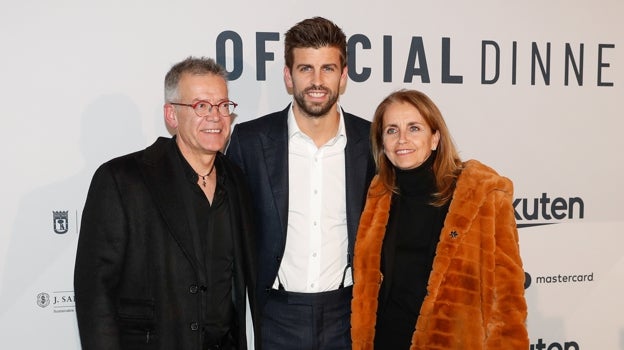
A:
(356, 173)
(163, 182)
(274, 144)
(275, 147)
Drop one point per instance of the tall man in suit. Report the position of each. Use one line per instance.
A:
(308, 167)
(166, 248)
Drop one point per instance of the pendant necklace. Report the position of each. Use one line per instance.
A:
(203, 177)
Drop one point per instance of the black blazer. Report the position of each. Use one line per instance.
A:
(260, 148)
(137, 280)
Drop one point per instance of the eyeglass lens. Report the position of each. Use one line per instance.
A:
(224, 108)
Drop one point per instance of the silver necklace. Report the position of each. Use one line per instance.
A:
(203, 177)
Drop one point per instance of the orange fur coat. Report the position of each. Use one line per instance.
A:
(475, 295)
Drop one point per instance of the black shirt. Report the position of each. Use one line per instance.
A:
(212, 237)
(412, 235)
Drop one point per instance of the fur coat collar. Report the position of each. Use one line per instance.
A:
(475, 294)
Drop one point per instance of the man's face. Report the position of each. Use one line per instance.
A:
(198, 135)
(316, 80)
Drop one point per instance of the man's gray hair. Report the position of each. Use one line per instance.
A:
(191, 65)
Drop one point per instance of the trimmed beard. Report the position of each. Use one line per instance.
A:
(316, 110)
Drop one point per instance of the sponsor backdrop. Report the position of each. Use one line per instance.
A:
(532, 88)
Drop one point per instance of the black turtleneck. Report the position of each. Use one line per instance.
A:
(412, 235)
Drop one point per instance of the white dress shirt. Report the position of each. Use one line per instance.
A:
(317, 241)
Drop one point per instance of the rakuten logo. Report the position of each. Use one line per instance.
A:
(568, 345)
(546, 211)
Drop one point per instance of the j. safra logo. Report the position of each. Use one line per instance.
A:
(43, 299)
(545, 210)
(61, 301)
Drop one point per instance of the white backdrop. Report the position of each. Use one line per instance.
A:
(531, 88)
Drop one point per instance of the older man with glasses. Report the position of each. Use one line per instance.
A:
(166, 251)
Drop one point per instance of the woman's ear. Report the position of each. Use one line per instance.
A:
(435, 140)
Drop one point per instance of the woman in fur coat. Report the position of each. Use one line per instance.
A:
(437, 263)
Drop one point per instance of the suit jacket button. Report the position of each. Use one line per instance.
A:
(194, 326)
(193, 289)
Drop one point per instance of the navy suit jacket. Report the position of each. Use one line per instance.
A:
(260, 148)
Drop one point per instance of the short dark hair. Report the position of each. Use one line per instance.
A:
(314, 33)
(190, 65)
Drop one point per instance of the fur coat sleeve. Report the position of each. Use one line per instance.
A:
(475, 294)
